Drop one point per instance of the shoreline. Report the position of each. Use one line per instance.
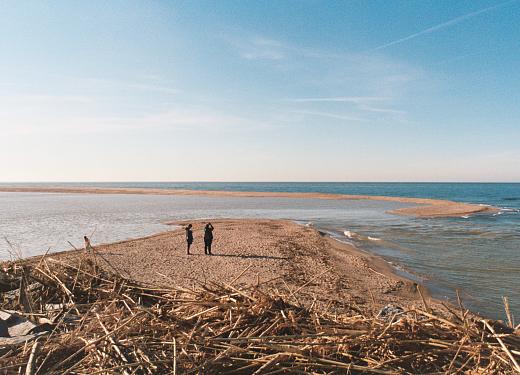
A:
(425, 207)
(330, 269)
(222, 326)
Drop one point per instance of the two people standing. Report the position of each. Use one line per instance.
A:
(208, 238)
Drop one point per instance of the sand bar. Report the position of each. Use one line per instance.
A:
(273, 290)
(425, 207)
(279, 255)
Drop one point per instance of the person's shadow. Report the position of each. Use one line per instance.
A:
(250, 256)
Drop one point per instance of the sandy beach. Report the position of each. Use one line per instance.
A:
(425, 207)
(277, 255)
(275, 297)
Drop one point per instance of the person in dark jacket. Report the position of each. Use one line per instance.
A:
(189, 237)
(208, 238)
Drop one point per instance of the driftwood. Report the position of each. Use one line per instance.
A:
(102, 323)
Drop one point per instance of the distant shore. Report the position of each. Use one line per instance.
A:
(276, 254)
(425, 208)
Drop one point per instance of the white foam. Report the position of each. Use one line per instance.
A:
(465, 217)
(349, 234)
(374, 238)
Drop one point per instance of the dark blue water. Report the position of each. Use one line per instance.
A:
(478, 255)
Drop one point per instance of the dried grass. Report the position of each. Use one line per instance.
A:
(102, 323)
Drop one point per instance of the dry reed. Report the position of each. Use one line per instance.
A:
(102, 323)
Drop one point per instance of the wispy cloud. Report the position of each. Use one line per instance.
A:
(44, 98)
(330, 115)
(192, 118)
(151, 83)
(443, 25)
(339, 99)
(363, 103)
(258, 48)
(391, 111)
(324, 70)
(196, 119)
(162, 89)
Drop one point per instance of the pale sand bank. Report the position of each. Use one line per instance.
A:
(278, 255)
(426, 207)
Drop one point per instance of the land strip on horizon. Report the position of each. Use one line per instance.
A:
(426, 207)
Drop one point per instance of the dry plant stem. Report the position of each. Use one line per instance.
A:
(308, 282)
(119, 326)
(504, 347)
(510, 319)
(423, 299)
(240, 274)
(29, 370)
(463, 311)
(68, 359)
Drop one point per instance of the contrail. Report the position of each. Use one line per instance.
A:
(443, 25)
(346, 99)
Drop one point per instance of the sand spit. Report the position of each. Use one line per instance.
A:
(280, 255)
(426, 207)
(71, 316)
(275, 297)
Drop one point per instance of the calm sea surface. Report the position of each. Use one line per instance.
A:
(479, 255)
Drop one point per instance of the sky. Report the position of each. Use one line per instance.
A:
(358, 90)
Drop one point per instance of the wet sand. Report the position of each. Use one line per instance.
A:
(425, 207)
(280, 256)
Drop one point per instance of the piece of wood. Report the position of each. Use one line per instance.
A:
(504, 347)
(29, 370)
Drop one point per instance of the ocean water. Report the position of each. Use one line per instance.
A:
(477, 255)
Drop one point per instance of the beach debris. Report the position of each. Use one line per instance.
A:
(4, 329)
(17, 329)
(389, 312)
(102, 323)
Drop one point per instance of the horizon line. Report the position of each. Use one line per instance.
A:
(263, 182)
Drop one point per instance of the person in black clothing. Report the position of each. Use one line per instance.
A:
(208, 238)
(189, 237)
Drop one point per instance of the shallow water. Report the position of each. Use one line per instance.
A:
(478, 255)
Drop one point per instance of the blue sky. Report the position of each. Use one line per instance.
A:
(268, 90)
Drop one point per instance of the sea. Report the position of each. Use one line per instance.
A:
(478, 255)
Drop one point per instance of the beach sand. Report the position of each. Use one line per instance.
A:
(205, 318)
(425, 207)
(277, 255)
